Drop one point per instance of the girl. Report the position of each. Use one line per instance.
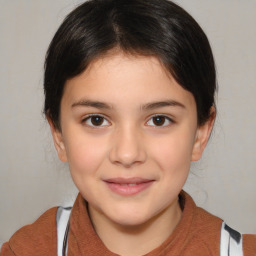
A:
(129, 96)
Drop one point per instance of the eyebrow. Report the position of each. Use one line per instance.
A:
(148, 106)
(160, 104)
(90, 103)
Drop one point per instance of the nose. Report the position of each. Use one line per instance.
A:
(127, 148)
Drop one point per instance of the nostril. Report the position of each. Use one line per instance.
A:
(127, 146)
(127, 158)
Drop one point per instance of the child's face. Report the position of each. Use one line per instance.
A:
(129, 133)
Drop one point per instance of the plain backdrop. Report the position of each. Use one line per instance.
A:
(31, 177)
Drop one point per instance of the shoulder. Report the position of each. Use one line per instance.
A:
(203, 224)
(249, 245)
(209, 232)
(202, 228)
(38, 238)
(205, 233)
(206, 229)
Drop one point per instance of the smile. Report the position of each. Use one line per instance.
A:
(128, 187)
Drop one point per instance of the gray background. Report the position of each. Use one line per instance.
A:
(31, 177)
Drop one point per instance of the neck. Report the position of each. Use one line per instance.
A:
(139, 239)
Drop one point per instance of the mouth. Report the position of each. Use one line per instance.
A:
(128, 187)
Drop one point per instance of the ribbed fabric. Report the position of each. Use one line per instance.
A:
(198, 233)
(37, 239)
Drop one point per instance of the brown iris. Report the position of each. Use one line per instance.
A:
(159, 120)
(97, 120)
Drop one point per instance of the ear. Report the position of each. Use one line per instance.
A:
(202, 136)
(58, 141)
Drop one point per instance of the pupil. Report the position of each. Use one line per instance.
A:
(159, 120)
(97, 120)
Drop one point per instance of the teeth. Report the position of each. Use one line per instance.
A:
(129, 185)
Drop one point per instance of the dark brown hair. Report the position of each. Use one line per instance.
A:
(149, 27)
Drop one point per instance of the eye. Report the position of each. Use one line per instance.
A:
(96, 121)
(159, 120)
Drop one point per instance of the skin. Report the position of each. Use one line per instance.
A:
(128, 142)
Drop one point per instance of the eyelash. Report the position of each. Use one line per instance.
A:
(104, 119)
(89, 117)
(166, 118)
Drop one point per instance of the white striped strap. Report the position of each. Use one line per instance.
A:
(62, 219)
(231, 243)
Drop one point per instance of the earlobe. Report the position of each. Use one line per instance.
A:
(202, 136)
(58, 141)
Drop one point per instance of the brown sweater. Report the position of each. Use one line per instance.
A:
(198, 233)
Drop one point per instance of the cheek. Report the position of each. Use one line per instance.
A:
(85, 154)
(173, 153)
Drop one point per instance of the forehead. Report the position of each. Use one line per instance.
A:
(121, 77)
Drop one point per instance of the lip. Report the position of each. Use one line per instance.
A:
(128, 186)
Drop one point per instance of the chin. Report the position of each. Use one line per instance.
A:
(130, 221)
(130, 218)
